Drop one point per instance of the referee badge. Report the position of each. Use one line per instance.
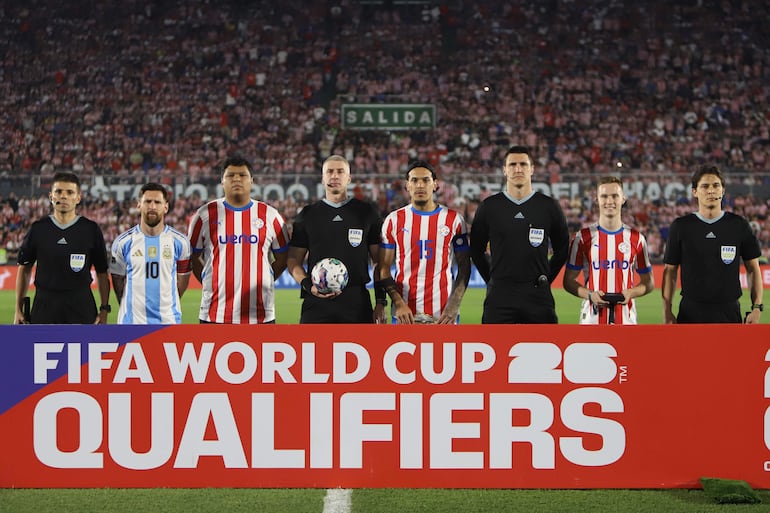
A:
(728, 254)
(536, 236)
(355, 236)
(77, 262)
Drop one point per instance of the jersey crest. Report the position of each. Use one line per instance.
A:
(77, 262)
(355, 236)
(536, 236)
(728, 254)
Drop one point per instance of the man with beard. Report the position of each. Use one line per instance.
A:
(423, 239)
(151, 264)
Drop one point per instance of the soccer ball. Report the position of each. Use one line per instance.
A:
(329, 275)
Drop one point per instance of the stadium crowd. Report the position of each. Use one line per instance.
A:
(155, 91)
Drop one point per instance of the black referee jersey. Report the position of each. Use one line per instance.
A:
(64, 254)
(519, 233)
(343, 231)
(709, 253)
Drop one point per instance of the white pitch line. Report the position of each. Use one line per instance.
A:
(337, 500)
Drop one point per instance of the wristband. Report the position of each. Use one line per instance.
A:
(306, 284)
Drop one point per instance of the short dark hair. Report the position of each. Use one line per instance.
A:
(66, 177)
(519, 149)
(420, 163)
(706, 170)
(154, 186)
(610, 179)
(237, 161)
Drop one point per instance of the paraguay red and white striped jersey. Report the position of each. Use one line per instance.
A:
(425, 243)
(238, 281)
(608, 261)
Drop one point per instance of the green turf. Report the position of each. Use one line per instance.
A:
(287, 305)
(368, 501)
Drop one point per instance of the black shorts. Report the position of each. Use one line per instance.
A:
(694, 312)
(64, 307)
(353, 306)
(519, 303)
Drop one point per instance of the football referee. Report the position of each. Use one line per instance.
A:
(65, 246)
(709, 245)
(519, 224)
(344, 228)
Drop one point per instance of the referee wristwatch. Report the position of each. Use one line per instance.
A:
(758, 306)
(105, 308)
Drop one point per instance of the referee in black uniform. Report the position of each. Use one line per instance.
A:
(709, 245)
(65, 247)
(519, 225)
(343, 228)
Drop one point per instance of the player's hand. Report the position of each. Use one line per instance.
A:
(753, 316)
(327, 295)
(18, 318)
(448, 316)
(379, 314)
(101, 318)
(404, 314)
(668, 316)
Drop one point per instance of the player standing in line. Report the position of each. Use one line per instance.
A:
(345, 228)
(607, 253)
(150, 264)
(239, 250)
(65, 246)
(709, 245)
(519, 224)
(423, 239)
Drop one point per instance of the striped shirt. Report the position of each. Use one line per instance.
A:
(425, 243)
(150, 265)
(238, 246)
(608, 261)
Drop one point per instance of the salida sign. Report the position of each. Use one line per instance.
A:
(425, 406)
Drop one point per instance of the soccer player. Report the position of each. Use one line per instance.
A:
(65, 246)
(150, 264)
(709, 245)
(423, 239)
(518, 224)
(239, 250)
(608, 253)
(344, 228)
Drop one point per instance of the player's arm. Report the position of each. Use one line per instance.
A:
(22, 287)
(279, 264)
(196, 259)
(756, 289)
(118, 285)
(479, 239)
(385, 281)
(645, 286)
(182, 281)
(668, 289)
(459, 286)
(103, 284)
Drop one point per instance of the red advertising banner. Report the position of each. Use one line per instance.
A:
(384, 406)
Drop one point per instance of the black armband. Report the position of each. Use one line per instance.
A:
(379, 293)
(382, 287)
(306, 284)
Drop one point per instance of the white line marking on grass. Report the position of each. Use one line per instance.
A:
(337, 500)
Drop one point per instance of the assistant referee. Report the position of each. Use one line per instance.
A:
(65, 246)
